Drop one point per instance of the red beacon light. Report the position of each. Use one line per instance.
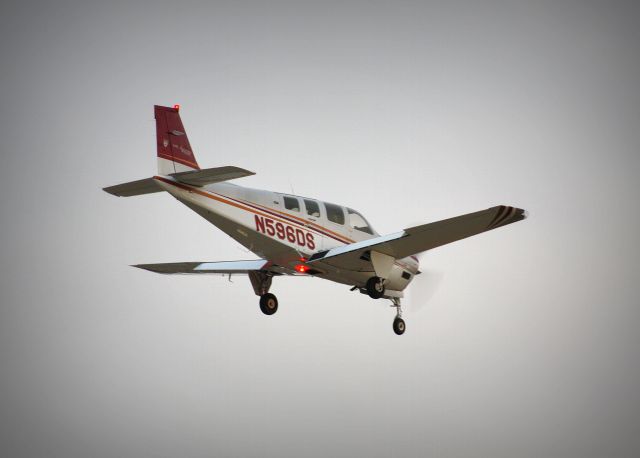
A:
(177, 106)
(301, 267)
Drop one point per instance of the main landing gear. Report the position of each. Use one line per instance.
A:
(375, 287)
(261, 282)
(268, 303)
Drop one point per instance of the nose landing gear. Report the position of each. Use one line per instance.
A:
(398, 323)
(398, 326)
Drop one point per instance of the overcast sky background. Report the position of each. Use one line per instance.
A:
(410, 112)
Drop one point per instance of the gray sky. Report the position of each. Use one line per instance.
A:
(408, 111)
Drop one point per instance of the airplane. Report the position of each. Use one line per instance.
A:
(295, 235)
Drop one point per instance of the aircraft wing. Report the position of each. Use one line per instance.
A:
(420, 238)
(223, 267)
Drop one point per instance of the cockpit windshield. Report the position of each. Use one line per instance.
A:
(357, 221)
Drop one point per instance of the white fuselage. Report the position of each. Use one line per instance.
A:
(286, 229)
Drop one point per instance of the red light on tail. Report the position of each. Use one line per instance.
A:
(301, 268)
(177, 106)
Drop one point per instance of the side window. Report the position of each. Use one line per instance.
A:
(334, 213)
(357, 221)
(313, 209)
(291, 203)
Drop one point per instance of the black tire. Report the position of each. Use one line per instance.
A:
(375, 288)
(268, 304)
(398, 326)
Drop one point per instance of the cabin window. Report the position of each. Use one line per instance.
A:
(313, 209)
(357, 221)
(291, 203)
(334, 213)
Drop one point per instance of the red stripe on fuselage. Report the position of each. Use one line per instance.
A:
(243, 206)
(300, 221)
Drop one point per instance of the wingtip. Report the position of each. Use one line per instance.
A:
(506, 215)
(521, 214)
(109, 190)
(142, 266)
(149, 268)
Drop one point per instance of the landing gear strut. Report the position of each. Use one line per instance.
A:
(398, 323)
(375, 287)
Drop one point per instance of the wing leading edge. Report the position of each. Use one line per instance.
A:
(422, 238)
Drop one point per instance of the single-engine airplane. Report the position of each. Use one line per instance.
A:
(295, 235)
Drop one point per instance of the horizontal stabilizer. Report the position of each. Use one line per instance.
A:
(212, 175)
(223, 267)
(134, 188)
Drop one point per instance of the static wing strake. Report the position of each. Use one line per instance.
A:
(420, 238)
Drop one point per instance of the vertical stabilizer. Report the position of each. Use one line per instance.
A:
(174, 150)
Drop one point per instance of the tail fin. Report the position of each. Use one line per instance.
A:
(175, 158)
(174, 151)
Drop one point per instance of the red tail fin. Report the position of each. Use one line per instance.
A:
(174, 151)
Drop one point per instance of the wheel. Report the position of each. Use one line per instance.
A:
(375, 288)
(399, 326)
(268, 304)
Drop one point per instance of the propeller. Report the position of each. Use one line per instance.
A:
(423, 287)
